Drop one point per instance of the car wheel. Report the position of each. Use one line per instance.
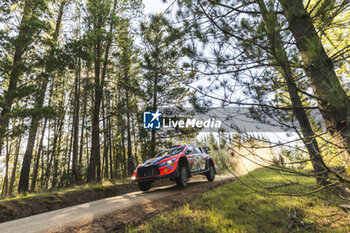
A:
(211, 173)
(144, 186)
(182, 180)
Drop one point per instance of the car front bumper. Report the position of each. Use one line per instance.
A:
(171, 175)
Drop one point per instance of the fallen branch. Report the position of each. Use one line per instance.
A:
(280, 185)
(346, 207)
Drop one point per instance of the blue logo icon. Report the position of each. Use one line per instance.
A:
(151, 120)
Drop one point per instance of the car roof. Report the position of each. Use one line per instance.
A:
(183, 146)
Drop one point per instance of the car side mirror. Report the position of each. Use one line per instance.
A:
(207, 150)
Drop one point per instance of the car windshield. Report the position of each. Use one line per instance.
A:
(171, 151)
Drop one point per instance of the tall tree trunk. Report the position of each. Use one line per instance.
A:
(135, 144)
(142, 141)
(4, 191)
(75, 166)
(14, 166)
(24, 179)
(56, 148)
(16, 71)
(40, 151)
(36, 157)
(128, 131)
(94, 172)
(68, 151)
(117, 146)
(88, 155)
(123, 153)
(110, 137)
(45, 176)
(331, 97)
(84, 123)
(95, 136)
(76, 124)
(105, 140)
(154, 108)
(280, 56)
(82, 133)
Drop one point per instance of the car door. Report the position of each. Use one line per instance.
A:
(205, 157)
(200, 158)
(196, 160)
(191, 157)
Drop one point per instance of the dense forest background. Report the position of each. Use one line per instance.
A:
(76, 76)
(74, 85)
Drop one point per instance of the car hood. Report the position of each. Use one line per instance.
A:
(155, 161)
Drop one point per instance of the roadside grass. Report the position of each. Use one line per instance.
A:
(235, 207)
(61, 191)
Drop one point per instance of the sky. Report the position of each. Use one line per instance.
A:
(155, 6)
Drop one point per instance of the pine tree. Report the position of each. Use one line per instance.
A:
(48, 69)
(31, 24)
(279, 56)
(164, 79)
(232, 32)
(333, 101)
(101, 15)
(128, 85)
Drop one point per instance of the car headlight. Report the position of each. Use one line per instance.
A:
(170, 161)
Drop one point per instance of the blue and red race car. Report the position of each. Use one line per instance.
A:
(177, 164)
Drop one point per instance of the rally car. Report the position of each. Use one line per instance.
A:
(177, 164)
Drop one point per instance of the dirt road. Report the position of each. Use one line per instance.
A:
(81, 215)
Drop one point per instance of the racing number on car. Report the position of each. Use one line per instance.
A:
(197, 152)
(205, 158)
(195, 158)
(201, 158)
(191, 156)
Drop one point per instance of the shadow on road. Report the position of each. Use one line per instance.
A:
(174, 187)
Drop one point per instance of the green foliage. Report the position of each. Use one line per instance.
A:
(157, 58)
(162, 62)
(235, 207)
(164, 80)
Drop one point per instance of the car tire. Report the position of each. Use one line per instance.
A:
(144, 186)
(182, 180)
(211, 173)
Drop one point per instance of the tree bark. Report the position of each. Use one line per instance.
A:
(94, 172)
(24, 178)
(333, 101)
(76, 124)
(154, 108)
(16, 71)
(36, 166)
(135, 144)
(128, 126)
(105, 140)
(123, 153)
(46, 175)
(4, 191)
(110, 137)
(56, 148)
(14, 166)
(82, 133)
(95, 137)
(280, 56)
